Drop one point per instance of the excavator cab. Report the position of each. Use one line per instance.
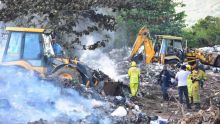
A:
(169, 49)
(24, 48)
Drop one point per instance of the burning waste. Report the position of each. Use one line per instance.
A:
(26, 98)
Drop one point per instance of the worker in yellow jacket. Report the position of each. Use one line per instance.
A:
(202, 77)
(189, 83)
(134, 74)
(195, 88)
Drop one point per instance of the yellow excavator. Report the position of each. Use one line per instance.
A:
(169, 50)
(32, 49)
(166, 50)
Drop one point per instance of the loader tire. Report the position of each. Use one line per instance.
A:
(69, 74)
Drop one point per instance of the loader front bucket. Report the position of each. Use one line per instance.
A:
(109, 86)
(217, 61)
(113, 88)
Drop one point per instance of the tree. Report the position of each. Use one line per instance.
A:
(206, 32)
(76, 18)
(158, 15)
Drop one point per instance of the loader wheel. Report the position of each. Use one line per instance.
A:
(69, 74)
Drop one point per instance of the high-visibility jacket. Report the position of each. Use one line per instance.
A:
(195, 87)
(189, 85)
(134, 74)
(202, 75)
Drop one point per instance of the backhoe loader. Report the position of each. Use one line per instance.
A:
(166, 50)
(169, 50)
(31, 49)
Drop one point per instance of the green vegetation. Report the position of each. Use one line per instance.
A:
(158, 15)
(206, 32)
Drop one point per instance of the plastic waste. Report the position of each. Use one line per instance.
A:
(120, 112)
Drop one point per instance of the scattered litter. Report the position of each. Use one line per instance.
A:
(120, 111)
(160, 120)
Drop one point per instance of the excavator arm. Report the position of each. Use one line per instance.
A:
(142, 38)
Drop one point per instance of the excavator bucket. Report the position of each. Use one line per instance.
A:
(217, 62)
(212, 59)
(142, 38)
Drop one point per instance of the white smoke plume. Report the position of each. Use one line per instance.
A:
(26, 98)
(98, 58)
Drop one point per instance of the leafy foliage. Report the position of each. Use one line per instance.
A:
(206, 32)
(69, 11)
(158, 15)
(64, 16)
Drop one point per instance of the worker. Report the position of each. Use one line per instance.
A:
(170, 50)
(189, 83)
(202, 77)
(157, 49)
(165, 79)
(181, 78)
(195, 88)
(134, 74)
(56, 47)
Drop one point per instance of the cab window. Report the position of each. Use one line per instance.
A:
(24, 46)
(14, 46)
(32, 47)
(177, 44)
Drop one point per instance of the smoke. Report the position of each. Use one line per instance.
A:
(26, 98)
(99, 58)
(2, 5)
(3, 39)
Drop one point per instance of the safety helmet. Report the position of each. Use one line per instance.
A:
(133, 64)
(188, 67)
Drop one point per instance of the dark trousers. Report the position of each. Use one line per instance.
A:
(164, 90)
(184, 91)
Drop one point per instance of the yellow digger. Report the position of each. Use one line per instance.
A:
(31, 48)
(166, 50)
(169, 50)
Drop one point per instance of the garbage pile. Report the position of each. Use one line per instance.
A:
(26, 98)
(149, 72)
(215, 48)
(120, 109)
(209, 116)
(76, 104)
